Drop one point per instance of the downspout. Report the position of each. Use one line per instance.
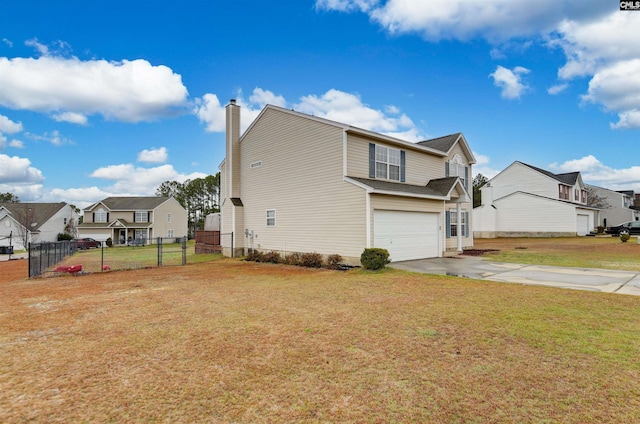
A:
(459, 225)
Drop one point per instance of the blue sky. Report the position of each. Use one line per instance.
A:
(112, 98)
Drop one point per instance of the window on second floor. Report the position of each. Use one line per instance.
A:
(386, 163)
(271, 218)
(564, 191)
(456, 168)
(141, 216)
(100, 216)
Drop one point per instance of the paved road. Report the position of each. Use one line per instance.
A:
(600, 280)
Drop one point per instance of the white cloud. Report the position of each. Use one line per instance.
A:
(596, 173)
(7, 42)
(131, 180)
(72, 117)
(510, 81)
(17, 170)
(54, 137)
(8, 126)
(129, 91)
(153, 155)
(483, 167)
(494, 20)
(557, 89)
(348, 108)
(335, 105)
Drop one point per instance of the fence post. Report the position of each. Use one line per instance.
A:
(159, 243)
(184, 250)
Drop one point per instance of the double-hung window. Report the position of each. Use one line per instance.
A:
(141, 216)
(452, 223)
(387, 163)
(271, 218)
(564, 191)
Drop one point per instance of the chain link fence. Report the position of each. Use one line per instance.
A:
(48, 259)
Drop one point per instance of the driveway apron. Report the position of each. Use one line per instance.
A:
(599, 280)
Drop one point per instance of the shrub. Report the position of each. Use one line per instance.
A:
(64, 236)
(311, 260)
(293, 259)
(272, 257)
(374, 258)
(624, 237)
(600, 229)
(333, 261)
(109, 242)
(254, 256)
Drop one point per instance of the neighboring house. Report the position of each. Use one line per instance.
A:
(24, 223)
(526, 201)
(298, 183)
(619, 206)
(134, 219)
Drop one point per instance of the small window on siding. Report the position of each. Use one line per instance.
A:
(141, 217)
(170, 233)
(271, 218)
(168, 217)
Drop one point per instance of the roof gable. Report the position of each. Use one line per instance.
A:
(39, 213)
(446, 143)
(131, 203)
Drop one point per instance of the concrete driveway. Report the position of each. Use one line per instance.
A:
(599, 280)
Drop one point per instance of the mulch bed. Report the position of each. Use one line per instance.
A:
(477, 252)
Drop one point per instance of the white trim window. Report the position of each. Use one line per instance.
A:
(271, 217)
(458, 169)
(168, 218)
(141, 216)
(452, 217)
(100, 216)
(170, 233)
(387, 163)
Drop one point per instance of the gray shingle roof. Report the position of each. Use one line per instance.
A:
(132, 203)
(442, 144)
(40, 212)
(439, 187)
(569, 178)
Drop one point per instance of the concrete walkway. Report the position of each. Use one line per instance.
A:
(23, 255)
(599, 280)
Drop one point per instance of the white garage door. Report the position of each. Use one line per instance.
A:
(406, 235)
(583, 225)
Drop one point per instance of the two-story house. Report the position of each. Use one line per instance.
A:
(617, 206)
(526, 201)
(137, 220)
(299, 183)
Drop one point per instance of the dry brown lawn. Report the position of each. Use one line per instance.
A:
(233, 341)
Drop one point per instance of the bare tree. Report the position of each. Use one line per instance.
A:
(594, 200)
(26, 217)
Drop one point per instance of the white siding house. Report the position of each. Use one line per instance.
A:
(526, 201)
(293, 182)
(619, 206)
(24, 223)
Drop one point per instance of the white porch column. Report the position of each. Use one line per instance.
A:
(459, 226)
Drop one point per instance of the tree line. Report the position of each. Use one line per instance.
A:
(200, 197)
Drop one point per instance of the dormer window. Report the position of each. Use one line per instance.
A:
(563, 192)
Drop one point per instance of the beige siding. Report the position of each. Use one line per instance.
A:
(420, 166)
(179, 221)
(301, 178)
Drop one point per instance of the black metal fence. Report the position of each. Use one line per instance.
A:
(52, 257)
(43, 256)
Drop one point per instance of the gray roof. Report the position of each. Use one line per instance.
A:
(569, 178)
(39, 213)
(443, 144)
(131, 203)
(439, 187)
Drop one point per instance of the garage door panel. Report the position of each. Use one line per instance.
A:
(406, 235)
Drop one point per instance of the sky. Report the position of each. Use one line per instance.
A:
(102, 99)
